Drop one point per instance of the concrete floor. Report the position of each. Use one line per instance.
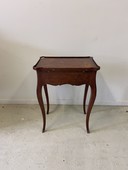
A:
(65, 145)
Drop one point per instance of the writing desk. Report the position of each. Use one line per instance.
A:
(66, 70)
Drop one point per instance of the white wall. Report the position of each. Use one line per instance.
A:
(31, 28)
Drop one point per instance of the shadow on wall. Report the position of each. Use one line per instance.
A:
(68, 94)
(17, 78)
(112, 84)
(125, 94)
(104, 93)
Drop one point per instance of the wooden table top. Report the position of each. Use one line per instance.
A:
(67, 63)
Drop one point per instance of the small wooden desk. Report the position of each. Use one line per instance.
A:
(66, 70)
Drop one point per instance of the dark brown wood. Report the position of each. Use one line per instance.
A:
(40, 100)
(47, 98)
(85, 97)
(66, 70)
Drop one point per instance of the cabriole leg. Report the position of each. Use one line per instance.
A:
(47, 98)
(85, 97)
(91, 102)
(40, 100)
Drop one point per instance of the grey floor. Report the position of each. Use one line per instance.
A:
(65, 145)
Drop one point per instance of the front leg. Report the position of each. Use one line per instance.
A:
(47, 98)
(91, 102)
(40, 100)
(85, 97)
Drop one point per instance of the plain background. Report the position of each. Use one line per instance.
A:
(32, 28)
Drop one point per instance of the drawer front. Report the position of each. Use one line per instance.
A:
(59, 78)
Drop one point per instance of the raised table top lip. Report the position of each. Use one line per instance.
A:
(61, 63)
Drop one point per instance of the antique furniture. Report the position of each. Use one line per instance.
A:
(66, 70)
